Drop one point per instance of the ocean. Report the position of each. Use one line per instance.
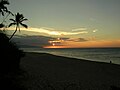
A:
(92, 54)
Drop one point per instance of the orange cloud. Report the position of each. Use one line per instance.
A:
(87, 44)
(94, 44)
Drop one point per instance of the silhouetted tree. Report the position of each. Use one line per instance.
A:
(19, 18)
(3, 7)
(10, 54)
(2, 25)
(4, 10)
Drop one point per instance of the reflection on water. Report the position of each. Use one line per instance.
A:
(94, 54)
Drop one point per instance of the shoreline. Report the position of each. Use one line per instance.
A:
(77, 58)
(99, 55)
(58, 70)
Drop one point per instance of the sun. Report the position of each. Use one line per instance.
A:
(53, 44)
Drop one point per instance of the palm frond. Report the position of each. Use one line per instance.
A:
(21, 17)
(10, 13)
(2, 25)
(11, 24)
(12, 20)
(24, 25)
(18, 17)
(4, 2)
(3, 8)
(2, 13)
(24, 20)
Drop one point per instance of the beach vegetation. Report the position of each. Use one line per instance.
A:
(3, 8)
(19, 18)
(10, 54)
(4, 11)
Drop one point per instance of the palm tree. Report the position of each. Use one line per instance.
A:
(19, 18)
(3, 8)
(1, 25)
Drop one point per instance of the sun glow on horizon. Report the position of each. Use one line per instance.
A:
(86, 44)
(55, 46)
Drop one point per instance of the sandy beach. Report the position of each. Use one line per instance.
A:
(50, 72)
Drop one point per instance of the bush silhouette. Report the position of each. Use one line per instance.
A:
(10, 54)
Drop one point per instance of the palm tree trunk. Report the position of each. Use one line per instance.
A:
(19, 28)
(13, 34)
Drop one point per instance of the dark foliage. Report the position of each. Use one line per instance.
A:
(2, 25)
(10, 55)
(114, 88)
(3, 7)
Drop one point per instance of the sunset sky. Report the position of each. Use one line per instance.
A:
(73, 23)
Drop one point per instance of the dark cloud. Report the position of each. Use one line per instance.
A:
(64, 38)
(33, 41)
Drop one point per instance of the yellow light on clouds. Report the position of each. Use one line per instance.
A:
(46, 31)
